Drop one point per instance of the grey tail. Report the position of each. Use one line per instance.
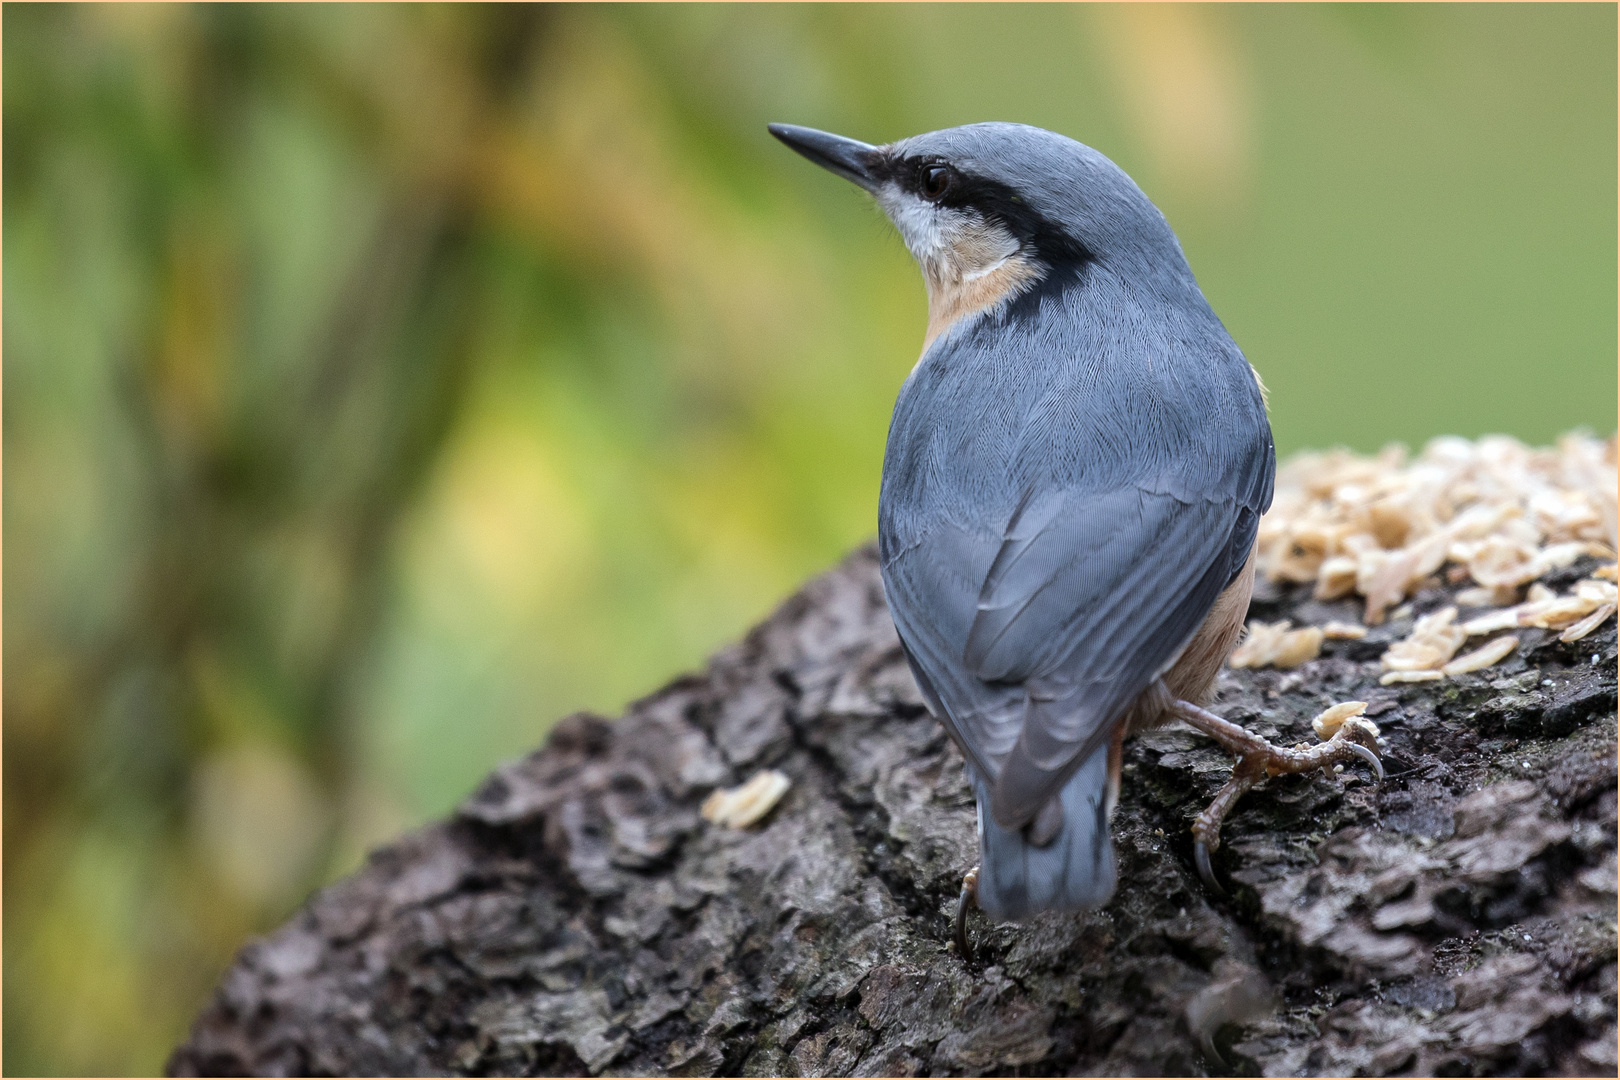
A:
(1075, 869)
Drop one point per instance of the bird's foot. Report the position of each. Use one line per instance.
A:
(1354, 739)
(969, 894)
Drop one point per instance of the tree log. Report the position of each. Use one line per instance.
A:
(578, 914)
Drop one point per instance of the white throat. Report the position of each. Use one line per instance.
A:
(970, 264)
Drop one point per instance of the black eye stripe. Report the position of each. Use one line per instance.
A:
(992, 198)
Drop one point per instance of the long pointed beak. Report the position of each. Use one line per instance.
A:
(849, 158)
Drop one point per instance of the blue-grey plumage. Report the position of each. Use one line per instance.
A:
(1075, 471)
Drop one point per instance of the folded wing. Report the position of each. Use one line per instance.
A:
(1083, 601)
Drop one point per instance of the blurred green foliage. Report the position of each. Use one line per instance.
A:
(383, 382)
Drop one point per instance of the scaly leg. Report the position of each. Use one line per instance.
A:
(1258, 759)
(969, 895)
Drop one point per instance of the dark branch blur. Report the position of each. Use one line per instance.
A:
(384, 382)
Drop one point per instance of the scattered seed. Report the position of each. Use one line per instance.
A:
(1500, 513)
(740, 807)
(1433, 641)
(1482, 657)
(1275, 645)
(1389, 678)
(1330, 720)
(1503, 619)
(1588, 624)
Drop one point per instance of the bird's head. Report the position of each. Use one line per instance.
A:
(989, 210)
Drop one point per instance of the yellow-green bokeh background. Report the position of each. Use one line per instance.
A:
(383, 382)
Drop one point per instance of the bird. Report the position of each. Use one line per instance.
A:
(1071, 492)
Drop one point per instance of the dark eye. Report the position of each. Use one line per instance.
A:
(935, 181)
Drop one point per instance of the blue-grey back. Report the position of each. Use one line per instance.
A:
(1069, 482)
(1110, 388)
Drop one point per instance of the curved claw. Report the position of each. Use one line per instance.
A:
(964, 947)
(1206, 1043)
(1368, 756)
(1205, 870)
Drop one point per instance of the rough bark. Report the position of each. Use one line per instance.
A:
(577, 915)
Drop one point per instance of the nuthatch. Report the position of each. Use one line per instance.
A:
(1071, 494)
